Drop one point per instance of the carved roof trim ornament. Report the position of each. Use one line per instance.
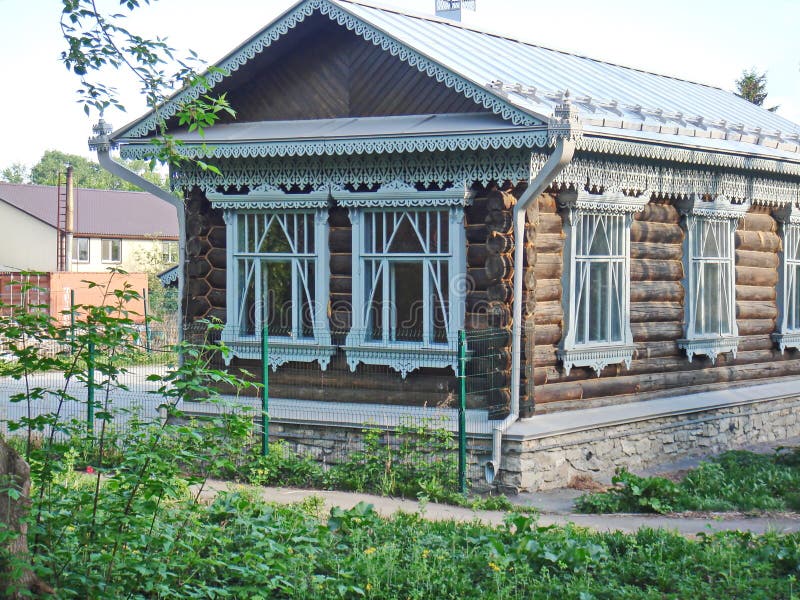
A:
(719, 208)
(291, 19)
(609, 202)
(269, 199)
(398, 194)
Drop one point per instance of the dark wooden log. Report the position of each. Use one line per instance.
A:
(544, 356)
(752, 292)
(549, 223)
(341, 285)
(477, 211)
(547, 203)
(656, 312)
(755, 326)
(500, 221)
(548, 313)
(477, 233)
(499, 243)
(756, 276)
(749, 258)
(339, 217)
(476, 255)
(758, 222)
(499, 314)
(649, 270)
(558, 393)
(340, 240)
(548, 266)
(651, 251)
(476, 321)
(659, 213)
(655, 291)
(659, 233)
(341, 264)
(759, 241)
(550, 243)
(478, 279)
(498, 267)
(497, 200)
(547, 334)
(656, 332)
(547, 289)
(645, 350)
(500, 292)
(477, 301)
(756, 309)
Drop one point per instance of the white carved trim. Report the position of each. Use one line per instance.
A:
(399, 195)
(787, 340)
(269, 200)
(281, 351)
(711, 347)
(609, 202)
(719, 208)
(404, 359)
(598, 358)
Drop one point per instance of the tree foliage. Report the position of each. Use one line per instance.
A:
(87, 173)
(15, 173)
(752, 86)
(98, 42)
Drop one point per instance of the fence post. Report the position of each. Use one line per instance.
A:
(90, 390)
(146, 320)
(265, 390)
(462, 411)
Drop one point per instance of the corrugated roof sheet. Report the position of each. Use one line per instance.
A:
(601, 91)
(98, 212)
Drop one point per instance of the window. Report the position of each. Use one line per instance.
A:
(169, 253)
(111, 251)
(788, 334)
(596, 282)
(277, 278)
(80, 250)
(407, 264)
(710, 326)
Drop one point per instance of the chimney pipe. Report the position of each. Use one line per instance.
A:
(70, 218)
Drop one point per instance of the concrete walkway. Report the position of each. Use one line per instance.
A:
(684, 524)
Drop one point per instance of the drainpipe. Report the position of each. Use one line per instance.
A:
(564, 130)
(102, 143)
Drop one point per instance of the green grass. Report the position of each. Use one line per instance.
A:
(733, 481)
(239, 547)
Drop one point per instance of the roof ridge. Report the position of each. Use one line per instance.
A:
(497, 34)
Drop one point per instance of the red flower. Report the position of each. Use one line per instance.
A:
(89, 470)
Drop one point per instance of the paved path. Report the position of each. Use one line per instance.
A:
(687, 525)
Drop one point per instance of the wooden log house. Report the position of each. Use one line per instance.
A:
(391, 179)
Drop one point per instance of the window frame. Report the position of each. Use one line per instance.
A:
(103, 242)
(788, 336)
(170, 250)
(405, 356)
(577, 208)
(283, 349)
(697, 215)
(75, 255)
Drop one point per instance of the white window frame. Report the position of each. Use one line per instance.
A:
(108, 244)
(76, 242)
(282, 349)
(169, 252)
(788, 334)
(699, 215)
(582, 209)
(407, 356)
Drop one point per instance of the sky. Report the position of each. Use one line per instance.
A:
(708, 41)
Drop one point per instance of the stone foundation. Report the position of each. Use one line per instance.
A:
(659, 431)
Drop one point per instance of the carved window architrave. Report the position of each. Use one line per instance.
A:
(788, 334)
(702, 217)
(609, 209)
(282, 349)
(406, 356)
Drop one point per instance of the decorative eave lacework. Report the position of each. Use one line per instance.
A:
(279, 28)
(591, 172)
(403, 196)
(609, 202)
(269, 199)
(720, 208)
(597, 358)
(681, 154)
(169, 276)
(710, 347)
(525, 139)
(337, 172)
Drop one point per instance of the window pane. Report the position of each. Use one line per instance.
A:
(405, 236)
(307, 294)
(407, 303)
(439, 300)
(710, 300)
(616, 291)
(598, 309)
(374, 308)
(247, 298)
(278, 284)
(582, 293)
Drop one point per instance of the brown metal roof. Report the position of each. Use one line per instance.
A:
(98, 213)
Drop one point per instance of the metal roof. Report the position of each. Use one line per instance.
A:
(99, 213)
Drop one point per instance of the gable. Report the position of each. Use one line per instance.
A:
(324, 71)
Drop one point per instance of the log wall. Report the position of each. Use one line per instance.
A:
(659, 367)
